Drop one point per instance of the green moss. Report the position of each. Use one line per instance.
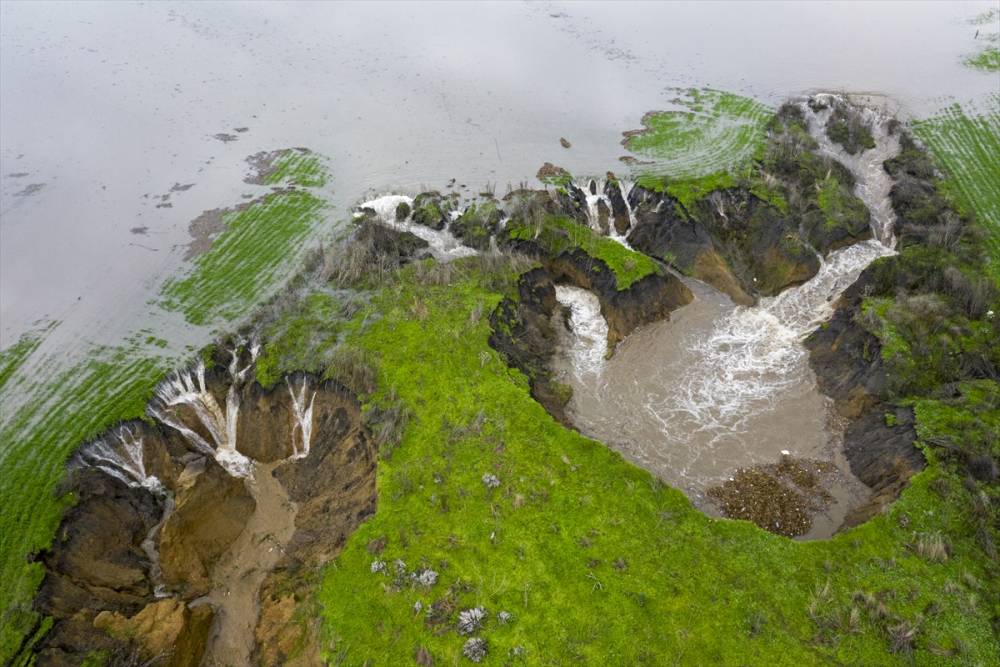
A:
(688, 191)
(559, 234)
(261, 244)
(987, 60)
(593, 556)
(969, 420)
(840, 208)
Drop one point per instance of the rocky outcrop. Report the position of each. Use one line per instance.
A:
(170, 630)
(523, 332)
(96, 563)
(619, 209)
(649, 299)
(731, 239)
(430, 209)
(396, 245)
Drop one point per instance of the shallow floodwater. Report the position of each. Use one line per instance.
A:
(104, 106)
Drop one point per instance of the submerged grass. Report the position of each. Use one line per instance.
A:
(75, 405)
(261, 244)
(297, 166)
(592, 556)
(712, 131)
(966, 144)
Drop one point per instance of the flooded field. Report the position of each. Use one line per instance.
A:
(122, 122)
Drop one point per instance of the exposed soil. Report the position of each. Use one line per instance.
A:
(174, 568)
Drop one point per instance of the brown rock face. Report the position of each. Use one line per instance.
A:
(203, 527)
(168, 628)
(334, 486)
(95, 563)
(211, 508)
(647, 300)
(266, 422)
(847, 361)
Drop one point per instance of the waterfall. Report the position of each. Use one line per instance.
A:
(443, 244)
(737, 366)
(187, 389)
(589, 343)
(120, 455)
(593, 193)
(303, 412)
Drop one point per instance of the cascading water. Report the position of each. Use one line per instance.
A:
(443, 244)
(593, 192)
(589, 343)
(302, 410)
(121, 456)
(720, 387)
(187, 389)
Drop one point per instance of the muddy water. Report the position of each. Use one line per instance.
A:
(692, 407)
(721, 387)
(242, 569)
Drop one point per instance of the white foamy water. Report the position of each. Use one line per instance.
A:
(593, 190)
(120, 454)
(302, 410)
(185, 391)
(589, 343)
(443, 244)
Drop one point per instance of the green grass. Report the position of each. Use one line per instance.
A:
(14, 356)
(559, 234)
(594, 557)
(73, 406)
(966, 145)
(298, 167)
(303, 339)
(261, 244)
(712, 131)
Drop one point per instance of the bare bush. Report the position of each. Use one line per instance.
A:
(353, 368)
(387, 421)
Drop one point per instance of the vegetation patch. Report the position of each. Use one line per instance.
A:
(710, 131)
(256, 249)
(966, 146)
(568, 553)
(559, 234)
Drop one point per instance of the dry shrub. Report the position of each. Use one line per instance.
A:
(353, 368)
(387, 421)
(932, 547)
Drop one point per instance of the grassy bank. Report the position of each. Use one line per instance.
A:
(966, 145)
(592, 556)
